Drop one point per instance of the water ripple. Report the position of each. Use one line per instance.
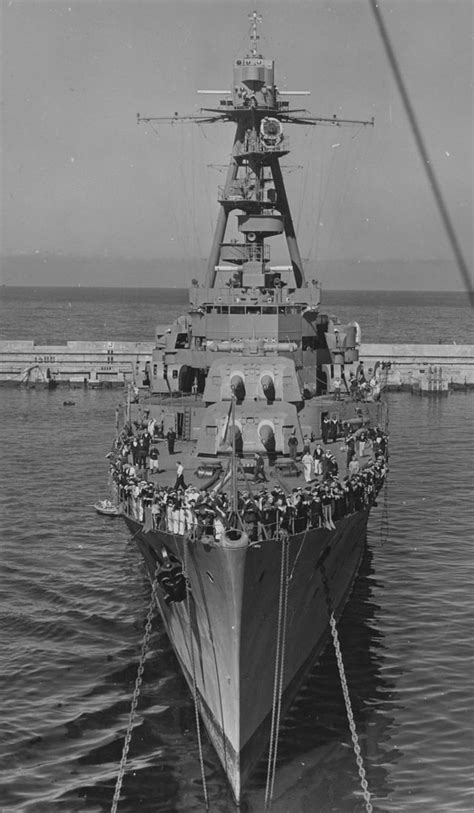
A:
(74, 604)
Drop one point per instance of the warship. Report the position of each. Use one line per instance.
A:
(241, 467)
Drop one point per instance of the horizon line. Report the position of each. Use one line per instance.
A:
(186, 287)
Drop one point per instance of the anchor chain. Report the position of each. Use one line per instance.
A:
(347, 700)
(136, 694)
(350, 715)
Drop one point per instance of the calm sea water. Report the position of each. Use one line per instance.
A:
(128, 314)
(75, 596)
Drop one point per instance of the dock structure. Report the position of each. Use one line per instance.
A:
(420, 368)
(74, 363)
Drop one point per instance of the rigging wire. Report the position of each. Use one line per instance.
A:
(341, 167)
(195, 193)
(432, 180)
(323, 192)
(207, 188)
(286, 553)
(192, 198)
(278, 674)
(354, 157)
(194, 679)
(213, 647)
(184, 217)
(304, 185)
(177, 223)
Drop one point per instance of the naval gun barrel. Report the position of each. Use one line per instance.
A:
(267, 436)
(268, 387)
(238, 387)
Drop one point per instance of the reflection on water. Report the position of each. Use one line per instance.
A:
(315, 748)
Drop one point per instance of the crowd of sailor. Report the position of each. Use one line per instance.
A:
(360, 387)
(262, 512)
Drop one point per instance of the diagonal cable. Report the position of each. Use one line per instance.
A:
(443, 211)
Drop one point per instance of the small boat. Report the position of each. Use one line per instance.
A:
(108, 508)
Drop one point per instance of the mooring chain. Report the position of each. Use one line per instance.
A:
(136, 693)
(347, 699)
(350, 715)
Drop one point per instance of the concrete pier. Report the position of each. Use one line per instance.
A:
(412, 366)
(399, 366)
(73, 363)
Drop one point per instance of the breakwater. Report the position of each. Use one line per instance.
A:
(77, 363)
(417, 366)
(103, 363)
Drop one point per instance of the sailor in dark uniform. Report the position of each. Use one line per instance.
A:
(326, 464)
(318, 459)
(333, 429)
(142, 452)
(350, 443)
(292, 445)
(325, 429)
(171, 438)
(315, 511)
(250, 518)
(260, 476)
(135, 451)
(269, 517)
(354, 387)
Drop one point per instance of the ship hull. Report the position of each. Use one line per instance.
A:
(229, 644)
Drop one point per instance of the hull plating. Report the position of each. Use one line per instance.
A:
(233, 624)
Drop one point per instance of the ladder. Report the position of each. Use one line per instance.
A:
(187, 423)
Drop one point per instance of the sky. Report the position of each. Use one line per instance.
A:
(81, 179)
